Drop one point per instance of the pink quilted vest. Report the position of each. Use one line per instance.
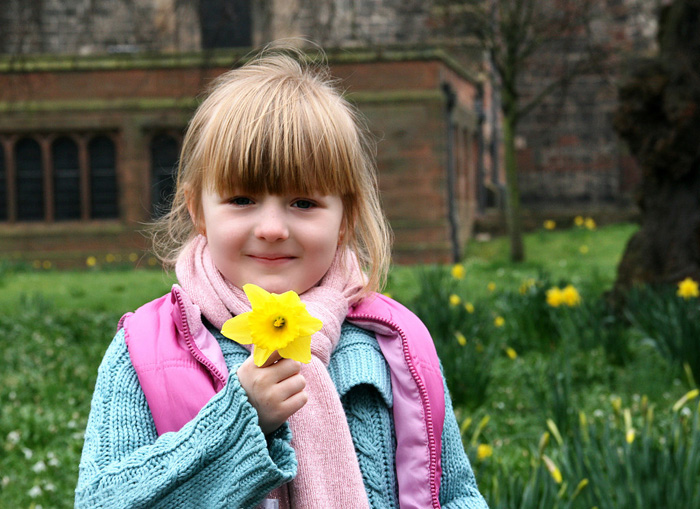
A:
(180, 367)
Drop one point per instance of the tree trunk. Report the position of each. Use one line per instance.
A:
(659, 117)
(513, 220)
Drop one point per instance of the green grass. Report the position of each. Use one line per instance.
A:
(555, 252)
(116, 291)
(56, 326)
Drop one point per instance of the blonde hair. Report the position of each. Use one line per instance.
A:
(278, 124)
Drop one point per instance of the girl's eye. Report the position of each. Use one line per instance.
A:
(303, 204)
(240, 200)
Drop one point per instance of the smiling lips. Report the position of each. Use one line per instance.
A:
(272, 259)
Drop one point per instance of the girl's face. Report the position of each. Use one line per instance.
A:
(279, 243)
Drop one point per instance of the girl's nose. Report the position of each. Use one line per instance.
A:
(272, 224)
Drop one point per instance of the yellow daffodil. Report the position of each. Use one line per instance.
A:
(499, 321)
(553, 469)
(277, 322)
(455, 300)
(110, 258)
(578, 220)
(570, 296)
(630, 435)
(484, 451)
(491, 286)
(549, 224)
(469, 307)
(460, 338)
(583, 249)
(387, 294)
(589, 223)
(581, 485)
(688, 396)
(458, 271)
(133, 257)
(554, 297)
(91, 261)
(511, 353)
(688, 288)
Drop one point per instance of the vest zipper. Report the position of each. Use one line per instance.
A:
(434, 490)
(196, 353)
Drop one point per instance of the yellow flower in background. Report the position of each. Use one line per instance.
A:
(133, 257)
(589, 223)
(583, 249)
(578, 220)
(527, 284)
(554, 297)
(387, 294)
(491, 286)
(455, 300)
(91, 261)
(484, 451)
(460, 338)
(46, 264)
(469, 307)
(570, 296)
(511, 353)
(688, 288)
(499, 321)
(629, 435)
(277, 322)
(110, 258)
(553, 469)
(549, 224)
(688, 396)
(458, 271)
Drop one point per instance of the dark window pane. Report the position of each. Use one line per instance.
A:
(3, 185)
(103, 178)
(225, 23)
(66, 179)
(30, 189)
(164, 153)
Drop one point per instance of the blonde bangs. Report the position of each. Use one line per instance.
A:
(279, 136)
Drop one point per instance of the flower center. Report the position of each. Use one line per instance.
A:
(279, 322)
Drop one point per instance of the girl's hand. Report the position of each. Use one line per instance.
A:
(276, 389)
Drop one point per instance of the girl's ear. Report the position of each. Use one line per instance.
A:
(194, 209)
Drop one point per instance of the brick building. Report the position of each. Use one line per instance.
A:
(95, 95)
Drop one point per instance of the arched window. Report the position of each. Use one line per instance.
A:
(103, 178)
(164, 153)
(29, 180)
(3, 185)
(66, 179)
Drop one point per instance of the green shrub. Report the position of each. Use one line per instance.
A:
(669, 322)
(460, 331)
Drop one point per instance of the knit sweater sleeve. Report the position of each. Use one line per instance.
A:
(219, 459)
(458, 487)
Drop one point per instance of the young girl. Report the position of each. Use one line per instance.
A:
(276, 187)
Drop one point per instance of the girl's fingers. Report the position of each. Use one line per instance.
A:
(290, 386)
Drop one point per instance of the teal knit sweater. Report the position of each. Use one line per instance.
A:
(222, 459)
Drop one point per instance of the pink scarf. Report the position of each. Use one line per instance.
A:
(328, 472)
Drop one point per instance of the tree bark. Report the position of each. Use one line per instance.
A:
(659, 118)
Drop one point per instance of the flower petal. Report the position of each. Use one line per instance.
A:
(298, 350)
(307, 324)
(256, 295)
(238, 329)
(260, 355)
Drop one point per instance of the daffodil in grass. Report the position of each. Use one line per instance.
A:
(688, 288)
(276, 322)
